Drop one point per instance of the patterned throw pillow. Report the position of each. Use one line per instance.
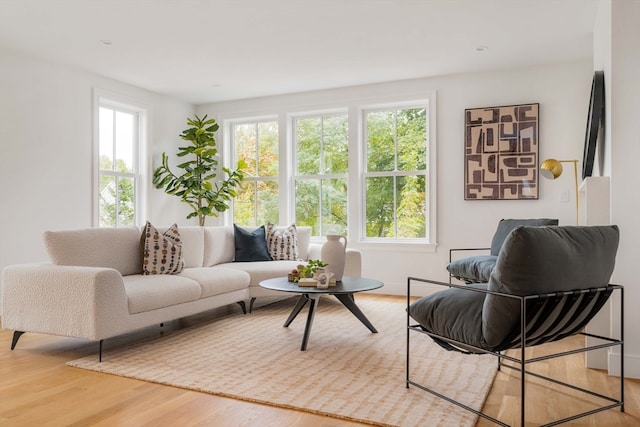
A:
(282, 244)
(161, 253)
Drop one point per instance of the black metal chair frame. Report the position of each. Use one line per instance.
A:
(521, 361)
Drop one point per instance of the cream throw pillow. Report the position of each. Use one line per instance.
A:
(282, 244)
(161, 253)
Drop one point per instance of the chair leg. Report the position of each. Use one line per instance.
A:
(251, 304)
(621, 349)
(523, 341)
(16, 337)
(100, 351)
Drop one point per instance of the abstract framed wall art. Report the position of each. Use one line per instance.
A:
(501, 152)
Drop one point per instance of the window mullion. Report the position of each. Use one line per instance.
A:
(114, 140)
(395, 140)
(395, 205)
(257, 172)
(117, 205)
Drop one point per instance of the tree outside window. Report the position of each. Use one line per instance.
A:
(396, 173)
(256, 143)
(322, 153)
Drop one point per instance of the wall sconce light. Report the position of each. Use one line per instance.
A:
(552, 169)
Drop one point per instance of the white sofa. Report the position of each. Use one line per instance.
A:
(93, 288)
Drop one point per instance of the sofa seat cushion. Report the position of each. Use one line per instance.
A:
(146, 293)
(263, 270)
(217, 280)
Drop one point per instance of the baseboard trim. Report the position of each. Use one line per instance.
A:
(417, 289)
(631, 365)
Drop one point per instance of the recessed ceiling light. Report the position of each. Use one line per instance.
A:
(482, 48)
(105, 41)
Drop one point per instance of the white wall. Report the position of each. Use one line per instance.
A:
(46, 149)
(563, 93)
(616, 52)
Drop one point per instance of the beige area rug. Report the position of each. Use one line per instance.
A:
(347, 372)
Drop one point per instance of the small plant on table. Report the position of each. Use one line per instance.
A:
(307, 270)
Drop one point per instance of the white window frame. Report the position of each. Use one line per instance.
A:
(318, 177)
(231, 159)
(355, 203)
(430, 173)
(117, 102)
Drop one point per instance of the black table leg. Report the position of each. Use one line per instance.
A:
(299, 306)
(313, 302)
(348, 301)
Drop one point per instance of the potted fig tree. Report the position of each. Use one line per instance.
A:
(198, 186)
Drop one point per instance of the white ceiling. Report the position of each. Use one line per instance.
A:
(213, 50)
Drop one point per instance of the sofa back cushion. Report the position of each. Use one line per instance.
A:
(117, 248)
(538, 260)
(192, 245)
(219, 247)
(304, 240)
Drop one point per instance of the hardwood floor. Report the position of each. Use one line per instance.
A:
(37, 388)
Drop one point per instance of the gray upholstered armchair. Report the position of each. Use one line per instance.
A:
(477, 268)
(548, 283)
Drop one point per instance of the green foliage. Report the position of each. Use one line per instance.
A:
(258, 199)
(311, 267)
(117, 204)
(323, 149)
(396, 205)
(194, 186)
(396, 191)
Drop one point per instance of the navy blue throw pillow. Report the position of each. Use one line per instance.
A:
(251, 245)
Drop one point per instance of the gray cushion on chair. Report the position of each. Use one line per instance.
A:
(537, 260)
(454, 313)
(478, 268)
(475, 268)
(506, 226)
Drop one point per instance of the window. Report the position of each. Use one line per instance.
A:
(322, 148)
(119, 177)
(395, 176)
(257, 144)
(365, 172)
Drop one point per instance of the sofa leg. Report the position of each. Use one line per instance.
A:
(16, 337)
(243, 306)
(251, 304)
(100, 351)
